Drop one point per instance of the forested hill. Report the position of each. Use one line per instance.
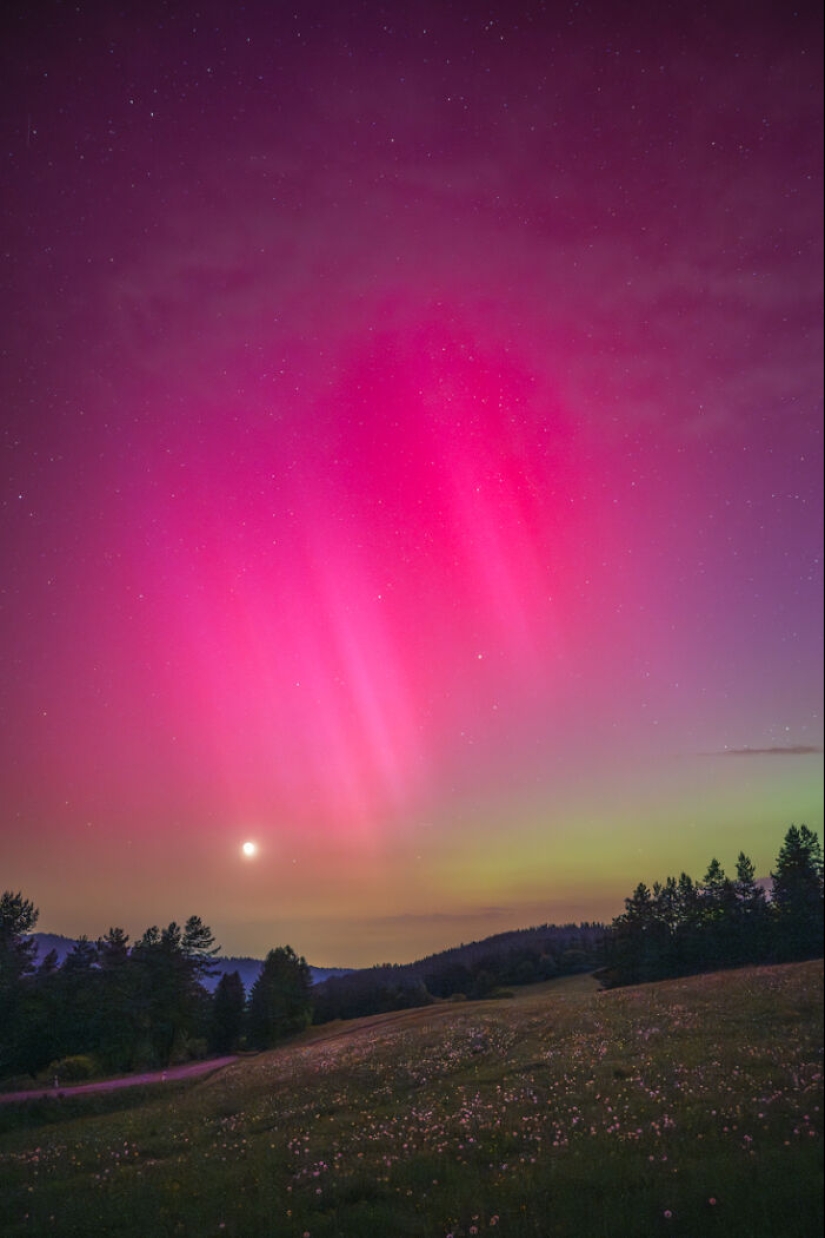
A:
(472, 970)
(546, 938)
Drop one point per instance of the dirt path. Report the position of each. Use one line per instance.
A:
(126, 1081)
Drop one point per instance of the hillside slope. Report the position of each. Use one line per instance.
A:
(690, 1106)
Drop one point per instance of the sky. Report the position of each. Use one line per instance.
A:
(411, 461)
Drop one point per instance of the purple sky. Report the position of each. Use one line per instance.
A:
(411, 461)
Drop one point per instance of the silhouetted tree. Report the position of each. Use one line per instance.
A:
(41, 1018)
(641, 936)
(78, 989)
(198, 948)
(18, 916)
(82, 957)
(118, 1039)
(48, 967)
(171, 1004)
(752, 918)
(113, 949)
(797, 894)
(227, 1013)
(280, 1002)
(717, 917)
(720, 922)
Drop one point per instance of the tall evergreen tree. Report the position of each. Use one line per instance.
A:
(113, 949)
(18, 916)
(170, 999)
(797, 894)
(118, 1042)
(717, 910)
(280, 1002)
(79, 999)
(752, 924)
(198, 948)
(712, 892)
(639, 938)
(227, 1013)
(41, 1019)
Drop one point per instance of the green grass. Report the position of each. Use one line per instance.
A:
(691, 1107)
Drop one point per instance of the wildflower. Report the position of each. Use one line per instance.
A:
(667, 1214)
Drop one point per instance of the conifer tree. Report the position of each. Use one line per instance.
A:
(227, 1013)
(751, 913)
(170, 999)
(119, 1001)
(280, 1002)
(18, 916)
(797, 894)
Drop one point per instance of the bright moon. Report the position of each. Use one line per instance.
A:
(250, 849)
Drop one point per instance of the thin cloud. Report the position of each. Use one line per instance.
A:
(453, 917)
(794, 750)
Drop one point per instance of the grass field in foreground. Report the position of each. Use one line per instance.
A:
(690, 1107)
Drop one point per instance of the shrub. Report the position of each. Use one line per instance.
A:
(74, 1069)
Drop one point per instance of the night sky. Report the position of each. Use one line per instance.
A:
(411, 461)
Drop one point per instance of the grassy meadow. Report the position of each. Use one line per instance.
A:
(690, 1107)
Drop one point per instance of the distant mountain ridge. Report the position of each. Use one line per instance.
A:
(247, 968)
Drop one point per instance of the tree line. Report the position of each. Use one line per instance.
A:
(477, 970)
(114, 1007)
(682, 926)
(111, 1006)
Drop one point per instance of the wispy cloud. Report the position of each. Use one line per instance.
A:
(452, 917)
(794, 750)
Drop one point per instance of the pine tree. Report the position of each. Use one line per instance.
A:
(171, 1002)
(227, 1013)
(797, 894)
(113, 949)
(18, 916)
(280, 1002)
(119, 1001)
(198, 948)
(639, 939)
(78, 1013)
(712, 891)
(750, 913)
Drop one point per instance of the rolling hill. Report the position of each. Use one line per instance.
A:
(690, 1106)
